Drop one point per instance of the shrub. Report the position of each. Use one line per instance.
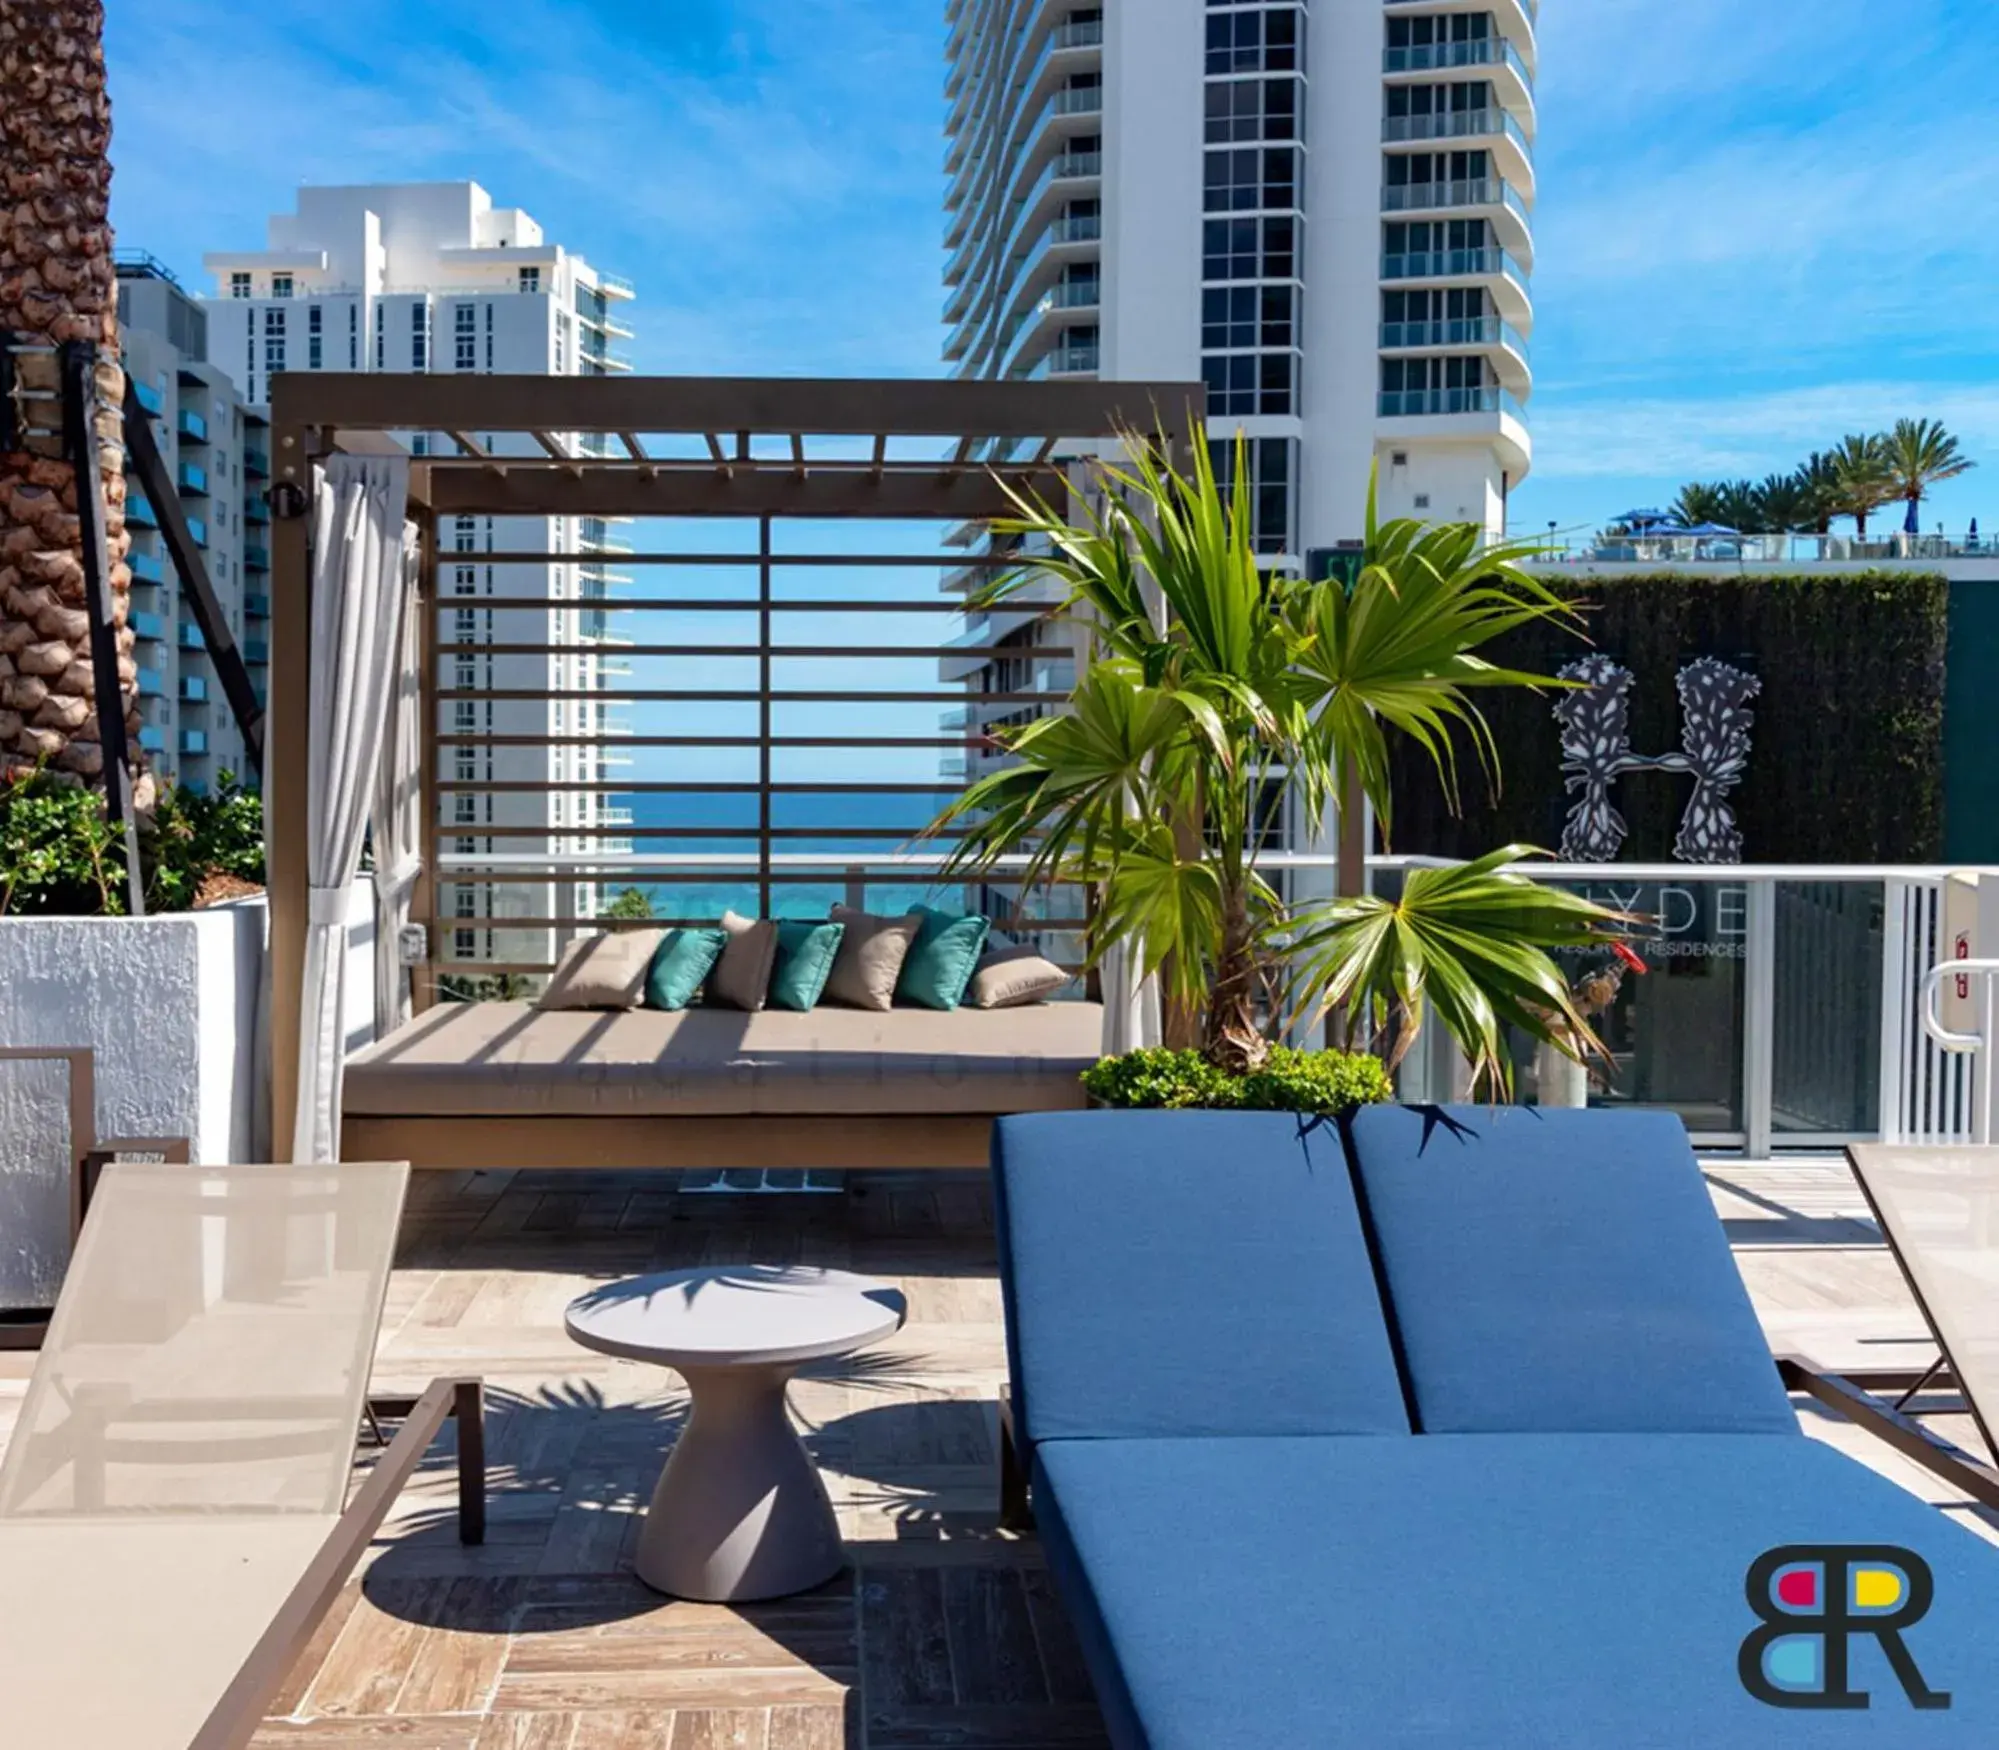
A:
(1289, 1081)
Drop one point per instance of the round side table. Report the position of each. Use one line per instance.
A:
(740, 1511)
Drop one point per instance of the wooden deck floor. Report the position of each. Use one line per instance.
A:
(945, 1631)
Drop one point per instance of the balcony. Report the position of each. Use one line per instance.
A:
(153, 740)
(148, 627)
(615, 286)
(1081, 33)
(1432, 336)
(1078, 100)
(256, 606)
(1076, 228)
(1512, 77)
(190, 637)
(1079, 359)
(257, 651)
(146, 568)
(149, 397)
(256, 462)
(192, 427)
(192, 480)
(139, 511)
(1506, 276)
(1455, 124)
(1492, 194)
(193, 690)
(1439, 403)
(256, 512)
(197, 531)
(194, 742)
(152, 684)
(1516, 19)
(256, 559)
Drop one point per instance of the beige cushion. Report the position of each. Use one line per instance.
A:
(870, 958)
(602, 972)
(492, 1059)
(1010, 977)
(742, 975)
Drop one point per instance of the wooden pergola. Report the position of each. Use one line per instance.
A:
(598, 447)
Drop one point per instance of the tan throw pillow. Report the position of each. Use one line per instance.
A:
(602, 972)
(742, 975)
(870, 958)
(1008, 978)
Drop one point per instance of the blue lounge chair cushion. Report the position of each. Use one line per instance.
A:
(1187, 1273)
(1565, 1592)
(1561, 1271)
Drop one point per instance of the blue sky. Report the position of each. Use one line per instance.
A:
(1762, 223)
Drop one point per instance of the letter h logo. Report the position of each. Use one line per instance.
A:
(1813, 1599)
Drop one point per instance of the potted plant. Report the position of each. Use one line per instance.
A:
(1209, 681)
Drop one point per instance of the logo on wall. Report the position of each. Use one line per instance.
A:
(1811, 1601)
(1715, 721)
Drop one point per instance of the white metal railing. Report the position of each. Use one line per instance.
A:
(1976, 980)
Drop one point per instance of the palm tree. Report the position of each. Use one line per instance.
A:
(1818, 478)
(1740, 508)
(1699, 502)
(1863, 480)
(1920, 455)
(56, 285)
(1784, 504)
(1213, 680)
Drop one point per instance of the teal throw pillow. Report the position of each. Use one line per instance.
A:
(805, 951)
(681, 965)
(942, 959)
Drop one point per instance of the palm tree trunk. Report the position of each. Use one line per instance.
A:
(1232, 1037)
(57, 284)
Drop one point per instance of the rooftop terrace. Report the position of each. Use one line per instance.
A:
(944, 1630)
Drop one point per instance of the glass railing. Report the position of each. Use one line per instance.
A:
(256, 607)
(1427, 403)
(1455, 124)
(146, 568)
(139, 511)
(255, 510)
(193, 689)
(148, 397)
(1451, 264)
(1477, 191)
(151, 683)
(1531, 7)
(190, 637)
(197, 531)
(1079, 33)
(1076, 228)
(256, 462)
(191, 479)
(147, 626)
(1491, 51)
(256, 559)
(256, 650)
(1078, 100)
(153, 740)
(1065, 361)
(1469, 331)
(1073, 295)
(194, 741)
(191, 426)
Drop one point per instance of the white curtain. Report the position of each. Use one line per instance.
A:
(361, 568)
(1131, 1002)
(395, 823)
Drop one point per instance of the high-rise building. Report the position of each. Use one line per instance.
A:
(434, 277)
(1322, 208)
(216, 451)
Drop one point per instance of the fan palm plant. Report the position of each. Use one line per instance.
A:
(1210, 681)
(1819, 479)
(1700, 502)
(1921, 454)
(1863, 479)
(1784, 503)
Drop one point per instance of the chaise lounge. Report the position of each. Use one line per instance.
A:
(1447, 1427)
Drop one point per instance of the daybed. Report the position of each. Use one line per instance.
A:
(509, 1085)
(1448, 1428)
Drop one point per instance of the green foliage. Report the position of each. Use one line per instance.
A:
(1466, 942)
(631, 902)
(1846, 763)
(1213, 679)
(1288, 1081)
(500, 987)
(1855, 478)
(60, 858)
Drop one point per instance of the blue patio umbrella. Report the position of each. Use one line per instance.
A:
(1638, 519)
(1700, 529)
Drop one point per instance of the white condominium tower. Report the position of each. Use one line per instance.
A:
(434, 277)
(1322, 208)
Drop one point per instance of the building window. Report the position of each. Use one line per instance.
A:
(315, 341)
(489, 337)
(561, 343)
(1242, 111)
(530, 279)
(420, 334)
(1243, 384)
(239, 285)
(1273, 466)
(381, 337)
(274, 341)
(1253, 42)
(281, 285)
(1252, 178)
(1242, 318)
(465, 337)
(354, 337)
(1249, 249)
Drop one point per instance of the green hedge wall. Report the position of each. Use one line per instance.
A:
(1846, 763)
